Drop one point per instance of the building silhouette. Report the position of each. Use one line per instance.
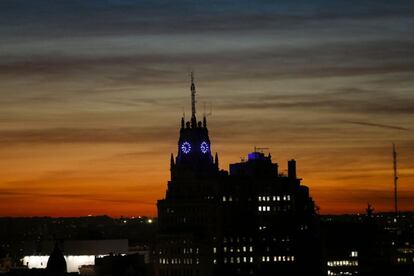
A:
(56, 264)
(251, 220)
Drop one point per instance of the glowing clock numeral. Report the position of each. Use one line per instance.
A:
(204, 147)
(186, 147)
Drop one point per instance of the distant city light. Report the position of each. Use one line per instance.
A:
(149, 220)
(73, 262)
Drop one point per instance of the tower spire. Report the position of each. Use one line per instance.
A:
(193, 101)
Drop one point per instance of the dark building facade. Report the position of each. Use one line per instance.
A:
(251, 220)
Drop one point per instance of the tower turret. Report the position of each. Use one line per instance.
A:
(194, 142)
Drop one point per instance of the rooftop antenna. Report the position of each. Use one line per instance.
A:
(394, 157)
(210, 112)
(193, 101)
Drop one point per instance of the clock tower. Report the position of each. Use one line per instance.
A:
(194, 148)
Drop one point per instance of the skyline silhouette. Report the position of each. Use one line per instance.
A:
(90, 93)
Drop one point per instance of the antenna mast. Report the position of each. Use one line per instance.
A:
(193, 101)
(394, 156)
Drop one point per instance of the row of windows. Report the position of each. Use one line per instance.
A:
(343, 263)
(250, 239)
(274, 198)
(267, 259)
(236, 249)
(179, 272)
(229, 198)
(237, 239)
(404, 260)
(236, 260)
(178, 250)
(341, 273)
(190, 250)
(185, 261)
(273, 208)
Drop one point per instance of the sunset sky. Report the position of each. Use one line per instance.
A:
(92, 93)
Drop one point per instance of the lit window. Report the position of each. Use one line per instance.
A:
(278, 198)
(268, 198)
(274, 198)
(260, 198)
(224, 198)
(260, 208)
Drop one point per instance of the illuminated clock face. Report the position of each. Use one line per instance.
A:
(185, 147)
(204, 147)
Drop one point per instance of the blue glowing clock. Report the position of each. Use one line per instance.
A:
(204, 147)
(185, 147)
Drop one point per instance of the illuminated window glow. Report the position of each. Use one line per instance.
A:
(73, 262)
